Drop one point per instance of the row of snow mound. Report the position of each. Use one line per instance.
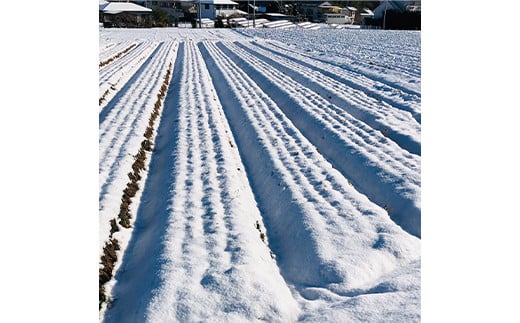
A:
(235, 22)
(200, 251)
(112, 49)
(207, 23)
(309, 25)
(331, 242)
(377, 166)
(263, 23)
(279, 24)
(251, 207)
(248, 23)
(108, 61)
(109, 257)
(259, 23)
(313, 214)
(126, 140)
(113, 76)
(396, 116)
(392, 59)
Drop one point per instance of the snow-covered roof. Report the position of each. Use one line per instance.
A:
(275, 14)
(367, 12)
(218, 2)
(102, 5)
(325, 5)
(118, 7)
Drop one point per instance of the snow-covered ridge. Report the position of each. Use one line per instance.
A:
(297, 189)
(393, 57)
(114, 76)
(375, 87)
(122, 124)
(386, 173)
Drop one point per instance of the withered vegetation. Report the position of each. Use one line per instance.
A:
(109, 256)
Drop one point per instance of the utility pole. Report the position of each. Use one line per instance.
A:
(384, 16)
(254, 13)
(248, 14)
(199, 14)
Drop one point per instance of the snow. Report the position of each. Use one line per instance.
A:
(218, 2)
(308, 138)
(117, 7)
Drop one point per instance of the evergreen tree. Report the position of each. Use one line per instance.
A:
(160, 17)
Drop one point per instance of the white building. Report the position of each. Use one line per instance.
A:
(336, 18)
(211, 9)
(122, 14)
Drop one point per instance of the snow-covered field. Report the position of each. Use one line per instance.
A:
(284, 180)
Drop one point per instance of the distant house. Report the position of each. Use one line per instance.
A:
(342, 16)
(351, 13)
(188, 9)
(327, 7)
(211, 9)
(176, 9)
(122, 14)
(317, 11)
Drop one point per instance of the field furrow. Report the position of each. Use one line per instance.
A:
(114, 76)
(110, 50)
(246, 179)
(377, 167)
(373, 59)
(314, 217)
(367, 54)
(206, 257)
(121, 131)
(373, 94)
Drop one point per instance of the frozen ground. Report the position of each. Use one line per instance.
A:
(284, 180)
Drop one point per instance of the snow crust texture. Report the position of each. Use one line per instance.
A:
(284, 180)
